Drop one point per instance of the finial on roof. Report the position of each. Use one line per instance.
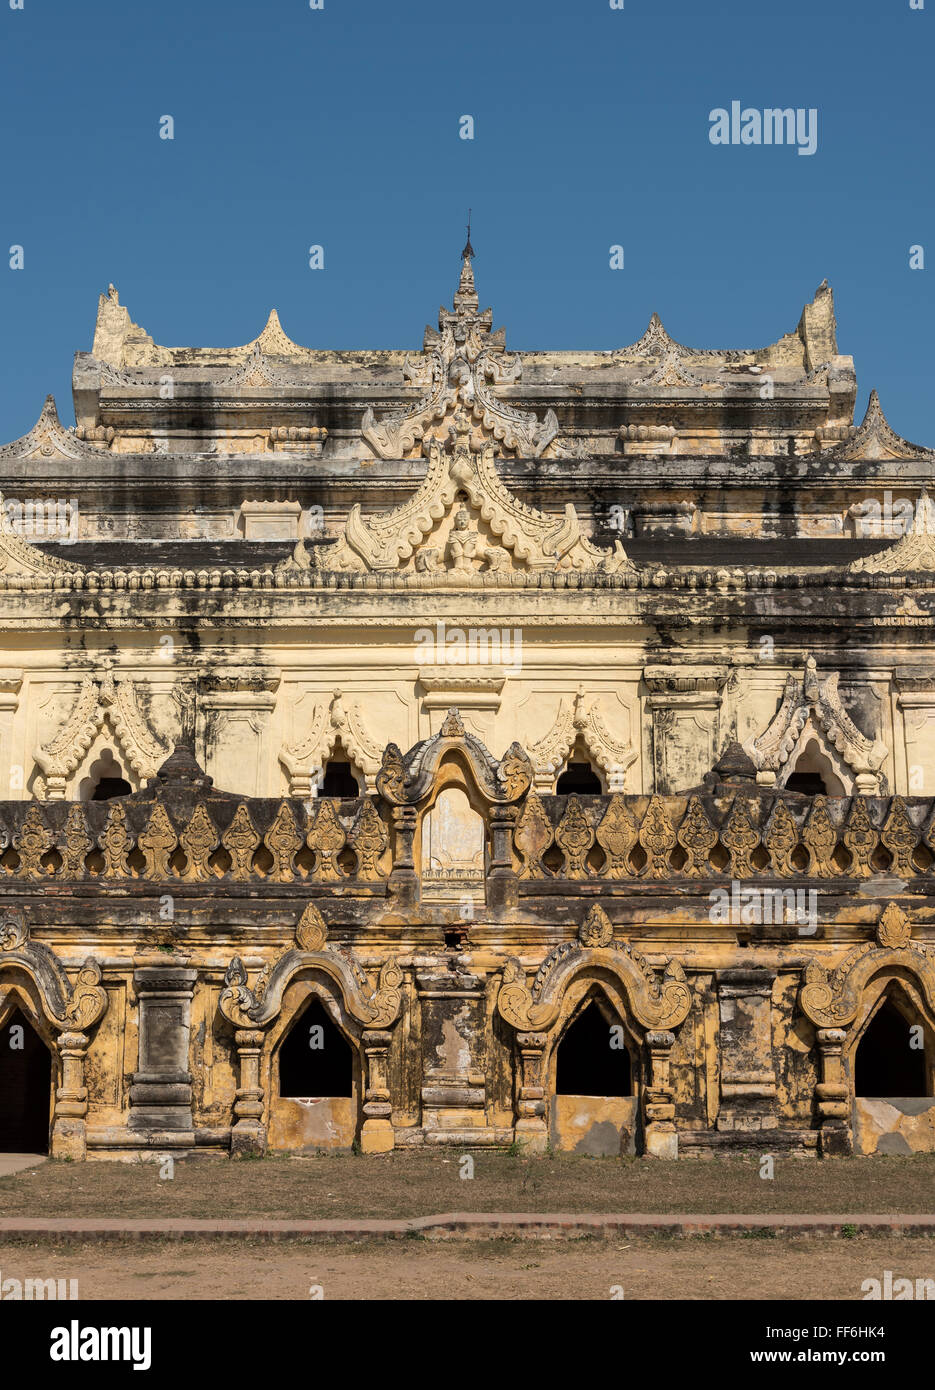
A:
(468, 252)
(465, 300)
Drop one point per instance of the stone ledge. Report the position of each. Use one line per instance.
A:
(463, 1225)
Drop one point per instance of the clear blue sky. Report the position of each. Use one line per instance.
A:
(340, 127)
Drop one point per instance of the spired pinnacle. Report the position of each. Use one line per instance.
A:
(465, 300)
(468, 252)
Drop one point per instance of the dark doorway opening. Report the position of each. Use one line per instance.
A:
(25, 1087)
(109, 787)
(806, 783)
(887, 1063)
(315, 1061)
(579, 779)
(587, 1064)
(339, 780)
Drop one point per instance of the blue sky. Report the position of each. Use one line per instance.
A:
(340, 127)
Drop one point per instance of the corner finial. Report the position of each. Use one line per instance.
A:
(468, 252)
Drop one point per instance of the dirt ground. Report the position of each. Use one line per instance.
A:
(654, 1268)
(402, 1185)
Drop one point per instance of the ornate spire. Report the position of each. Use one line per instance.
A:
(466, 301)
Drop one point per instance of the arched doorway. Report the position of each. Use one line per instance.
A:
(25, 1087)
(890, 1057)
(315, 1077)
(891, 1067)
(594, 1105)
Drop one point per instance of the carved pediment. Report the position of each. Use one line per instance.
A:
(462, 470)
(331, 723)
(582, 719)
(109, 700)
(815, 700)
(875, 441)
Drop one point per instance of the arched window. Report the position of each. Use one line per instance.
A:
(579, 779)
(814, 774)
(25, 1087)
(592, 1057)
(339, 780)
(105, 779)
(315, 1060)
(890, 1058)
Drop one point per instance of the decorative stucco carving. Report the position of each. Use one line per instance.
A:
(258, 1007)
(109, 700)
(459, 365)
(461, 469)
(913, 553)
(68, 1007)
(814, 700)
(579, 718)
(408, 780)
(656, 1000)
(831, 998)
(331, 724)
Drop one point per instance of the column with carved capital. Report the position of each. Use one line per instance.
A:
(531, 1128)
(376, 1135)
(832, 1094)
(248, 1136)
(661, 1137)
(69, 1130)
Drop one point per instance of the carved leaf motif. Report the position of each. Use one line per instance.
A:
(657, 838)
(514, 999)
(284, 841)
(820, 837)
(198, 841)
(740, 837)
(368, 841)
(88, 998)
(14, 930)
(616, 835)
(32, 842)
(574, 838)
(697, 836)
(157, 842)
(899, 837)
(240, 839)
(860, 839)
(115, 843)
(597, 929)
(532, 837)
(516, 772)
(386, 999)
(311, 932)
(781, 838)
(77, 843)
(894, 928)
(391, 779)
(327, 839)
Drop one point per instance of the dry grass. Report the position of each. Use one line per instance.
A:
(414, 1184)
